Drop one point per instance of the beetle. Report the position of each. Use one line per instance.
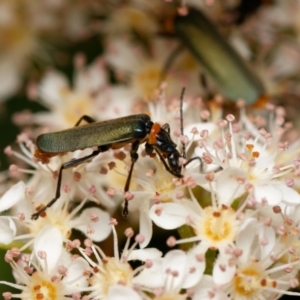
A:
(218, 59)
(111, 134)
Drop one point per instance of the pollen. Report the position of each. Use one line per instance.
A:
(217, 226)
(112, 272)
(250, 280)
(164, 187)
(41, 288)
(58, 219)
(249, 147)
(80, 105)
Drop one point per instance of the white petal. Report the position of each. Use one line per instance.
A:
(265, 163)
(174, 261)
(290, 196)
(7, 230)
(223, 270)
(168, 215)
(268, 233)
(245, 237)
(145, 227)
(50, 241)
(228, 188)
(144, 254)
(101, 229)
(51, 86)
(121, 292)
(205, 289)
(270, 193)
(154, 272)
(121, 56)
(197, 267)
(74, 277)
(13, 196)
(90, 79)
(114, 108)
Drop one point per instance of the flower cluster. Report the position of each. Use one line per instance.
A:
(215, 217)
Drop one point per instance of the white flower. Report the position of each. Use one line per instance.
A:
(246, 167)
(215, 226)
(10, 198)
(110, 271)
(253, 269)
(143, 72)
(177, 270)
(93, 222)
(51, 273)
(67, 105)
(25, 198)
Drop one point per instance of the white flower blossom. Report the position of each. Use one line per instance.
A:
(49, 273)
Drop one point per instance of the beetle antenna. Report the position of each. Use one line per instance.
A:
(181, 120)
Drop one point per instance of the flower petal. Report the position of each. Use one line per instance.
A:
(195, 268)
(100, 229)
(7, 230)
(228, 187)
(12, 196)
(50, 241)
(206, 288)
(267, 233)
(145, 226)
(121, 292)
(154, 272)
(74, 277)
(247, 232)
(51, 86)
(223, 270)
(174, 261)
(144, 254)
(270, 193)
(168, 215)
(290, 196)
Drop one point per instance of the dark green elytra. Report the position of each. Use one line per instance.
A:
(217, 58)
(95, 134)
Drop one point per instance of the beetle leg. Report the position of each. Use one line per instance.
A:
(149, 149)
(178, 175)
(194, 158)
(166, 127)
(134, 157)
(67, 165)
(85, 118)
(181, 121)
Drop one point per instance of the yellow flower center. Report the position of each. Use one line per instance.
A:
(250, 279)
(58, 219)
(112, 272)
(74, 106)
(164, 184)
(148, 79)
(217, 225)
(41, 288)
